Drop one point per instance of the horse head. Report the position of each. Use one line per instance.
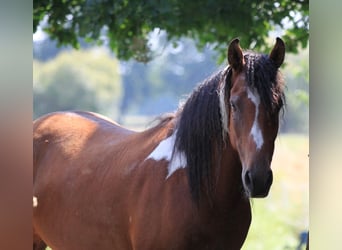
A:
(254, 97)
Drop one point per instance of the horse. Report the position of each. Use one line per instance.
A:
(185, 182)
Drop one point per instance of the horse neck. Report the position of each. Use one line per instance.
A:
(229, 183)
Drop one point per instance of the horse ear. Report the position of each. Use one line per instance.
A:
(278, 53)
(235, 55)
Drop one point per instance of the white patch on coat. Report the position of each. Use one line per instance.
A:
(256, 132)
(164, 152)
(35, 201)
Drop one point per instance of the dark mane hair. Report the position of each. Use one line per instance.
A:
(199, 133)
(199, 126)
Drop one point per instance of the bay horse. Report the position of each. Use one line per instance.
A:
(184, 183)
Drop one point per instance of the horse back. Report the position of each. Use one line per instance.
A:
(73, 136)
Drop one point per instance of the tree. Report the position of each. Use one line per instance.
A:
(87, 80)
(127, 23)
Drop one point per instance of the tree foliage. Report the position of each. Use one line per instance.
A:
(87, 80)
(127, 23)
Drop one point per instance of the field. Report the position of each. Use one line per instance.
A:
(284, 214)
(279, 218)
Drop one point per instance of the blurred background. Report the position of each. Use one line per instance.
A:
(81, 64)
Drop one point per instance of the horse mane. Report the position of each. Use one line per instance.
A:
(199, 133)
(199, 122)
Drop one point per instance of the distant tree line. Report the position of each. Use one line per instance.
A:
(85, 79)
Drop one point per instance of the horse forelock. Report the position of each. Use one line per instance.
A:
(263, 76)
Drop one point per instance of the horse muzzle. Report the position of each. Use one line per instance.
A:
(257, 183)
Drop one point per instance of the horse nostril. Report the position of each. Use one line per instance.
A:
(248, 179)
(269, 178)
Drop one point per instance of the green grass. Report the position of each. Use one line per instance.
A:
(294, 141)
